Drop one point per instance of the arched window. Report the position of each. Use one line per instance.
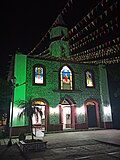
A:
(66, 78)
(39, 75)
(89, 79)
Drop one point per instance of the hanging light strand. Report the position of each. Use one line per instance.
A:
(92, 22)
(105, 29)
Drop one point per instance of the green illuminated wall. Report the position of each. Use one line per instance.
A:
(104, 94)
(20, 88)
(51, 91)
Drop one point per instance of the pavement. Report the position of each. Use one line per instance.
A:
(81, 145)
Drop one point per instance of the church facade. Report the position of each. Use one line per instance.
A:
(70, 95)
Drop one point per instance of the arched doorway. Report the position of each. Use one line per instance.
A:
(67, 110)
(92, 114)
(40, 119)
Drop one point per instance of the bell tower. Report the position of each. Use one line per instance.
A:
(59, 46)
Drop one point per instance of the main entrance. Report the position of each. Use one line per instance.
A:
(66, 116)
(67, 110)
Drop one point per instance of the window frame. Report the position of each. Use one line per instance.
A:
(44, 75)
(93, 78)
(72, 72)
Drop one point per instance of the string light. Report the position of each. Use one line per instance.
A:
(87, 31)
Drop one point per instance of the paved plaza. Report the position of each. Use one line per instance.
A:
(82, 145)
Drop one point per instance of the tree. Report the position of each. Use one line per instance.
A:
(28, 111)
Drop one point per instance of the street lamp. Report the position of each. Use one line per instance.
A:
(13, 80)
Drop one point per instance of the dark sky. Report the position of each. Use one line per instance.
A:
(24, 23)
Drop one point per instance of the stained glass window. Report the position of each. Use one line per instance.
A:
(89, 79)
(66, 78)
(39, 75)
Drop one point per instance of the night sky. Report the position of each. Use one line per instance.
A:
(24, 23)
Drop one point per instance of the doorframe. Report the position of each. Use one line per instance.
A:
(46, 104)
(73, 111)
(63, 107)
(97, 108)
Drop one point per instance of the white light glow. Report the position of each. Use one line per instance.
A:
(107, 113)
(80, 110)
(54, 110)
(16, 111)
(107, 110)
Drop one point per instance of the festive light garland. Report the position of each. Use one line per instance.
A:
(101, 46)
(106, 25)
(95, 55)
(94, 35)
(104, 61)
(109, 55)
(90, 15)
(89, 32)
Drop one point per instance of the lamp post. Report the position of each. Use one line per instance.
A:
(13, 80)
